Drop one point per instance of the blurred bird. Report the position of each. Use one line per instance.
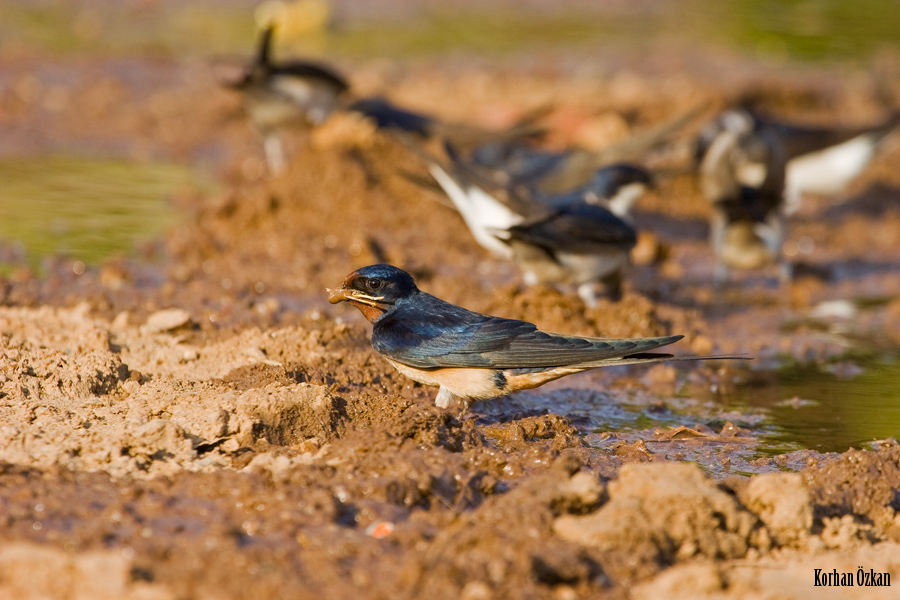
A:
(820, 160)
(469, 355)
(578, 244)
(571, 239)
(278, 96)
(742, 173)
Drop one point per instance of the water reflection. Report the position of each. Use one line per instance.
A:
(847, 404)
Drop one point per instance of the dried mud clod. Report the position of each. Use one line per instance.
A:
(520, 433)
(861, 486)
(659, 514)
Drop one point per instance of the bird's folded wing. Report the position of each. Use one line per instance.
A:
(579, 228)
(505, 343)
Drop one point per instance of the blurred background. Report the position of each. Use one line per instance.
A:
(818, 30)
(131, 179)
(97, 94)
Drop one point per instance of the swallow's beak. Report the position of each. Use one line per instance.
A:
(350, 295)
(341, 295)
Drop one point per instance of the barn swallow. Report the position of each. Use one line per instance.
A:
(571, 239)
(742, 174)
(820, 160)
(278, 96)
(469, 355)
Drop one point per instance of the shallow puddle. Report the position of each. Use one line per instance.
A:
(780, 421)
(86, 209)
(845, 404)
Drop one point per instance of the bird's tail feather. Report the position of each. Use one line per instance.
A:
(428, 185)
(652, 357)
(532, 379)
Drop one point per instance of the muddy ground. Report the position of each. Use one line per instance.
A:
(195, 421)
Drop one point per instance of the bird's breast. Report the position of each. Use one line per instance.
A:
(480, 383)
(471, 383)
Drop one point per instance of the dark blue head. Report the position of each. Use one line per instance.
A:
(375, 289)
(260, 73)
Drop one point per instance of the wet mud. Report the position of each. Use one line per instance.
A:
(195, 421)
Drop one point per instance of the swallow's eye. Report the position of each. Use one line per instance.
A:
(375, 284)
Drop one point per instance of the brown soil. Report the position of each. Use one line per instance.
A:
(251, 444)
